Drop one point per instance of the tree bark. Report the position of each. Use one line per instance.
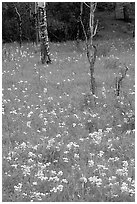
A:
(45, 54)
(90, 48)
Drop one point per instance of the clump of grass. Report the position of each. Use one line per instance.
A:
(111, 63)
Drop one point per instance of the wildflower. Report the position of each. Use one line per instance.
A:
(125, 163)
(129, 179)
(83, 179)
(18, 187)
(74, 124)
(92, 179)
(96, 180)
(76, 155)
(112, 178)
(60, 188)
(91, 163)
(53, 172)
(124, 187)
(31, 154)
(99, 182)
(50, 142)
(29, 114)
(35, 147)
(131, 191)
(58, 135)
(35, 183)
(26, 169)
(60, 173)
(100, 153)
(53, 190)
(23, 145)
(45, 90)
(64, 181)
(69, 145)
(30, 160)
(65, 159)
(55, 179)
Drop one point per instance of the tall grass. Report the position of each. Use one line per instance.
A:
(60, 144)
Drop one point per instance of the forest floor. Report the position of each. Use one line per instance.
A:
(59, 142)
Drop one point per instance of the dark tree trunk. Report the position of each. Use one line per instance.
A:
(126, 13)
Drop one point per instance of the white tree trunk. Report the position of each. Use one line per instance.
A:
(45, 54)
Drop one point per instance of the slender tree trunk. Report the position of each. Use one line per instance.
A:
(92, 51)
(90, 48)
(20, 26)
(36, 23)
(45, 54)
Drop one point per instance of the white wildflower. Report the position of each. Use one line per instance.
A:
(76, 155)
(60, 188)
(100, 153)
(65, 159)
(51, 141)
(18, 187)
(53, 172)
(35, 183)
(91, 163)
(124, 187)
(55, 179)
(23, 145)
(29, 114)
(60, 173)
(53, 190)
(99, 182)
(31, 154)
(64, 181)
(83, 179)
(125, 163)
(26, 169)
(96, 180)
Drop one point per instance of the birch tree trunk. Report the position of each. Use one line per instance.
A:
(92, 51)
(90, 47)
(45, 54)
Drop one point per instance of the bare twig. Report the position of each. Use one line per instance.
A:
(86, 38)
(86, 4)
(95, 29)
(95, 5)
(120, 79)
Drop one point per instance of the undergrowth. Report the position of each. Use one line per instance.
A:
(61, 144)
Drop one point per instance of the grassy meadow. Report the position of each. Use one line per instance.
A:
(59, 142)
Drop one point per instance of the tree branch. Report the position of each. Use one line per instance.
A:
(86, 4)
(18, 13)
(95, 30)
(95, 5)
(81, 11)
